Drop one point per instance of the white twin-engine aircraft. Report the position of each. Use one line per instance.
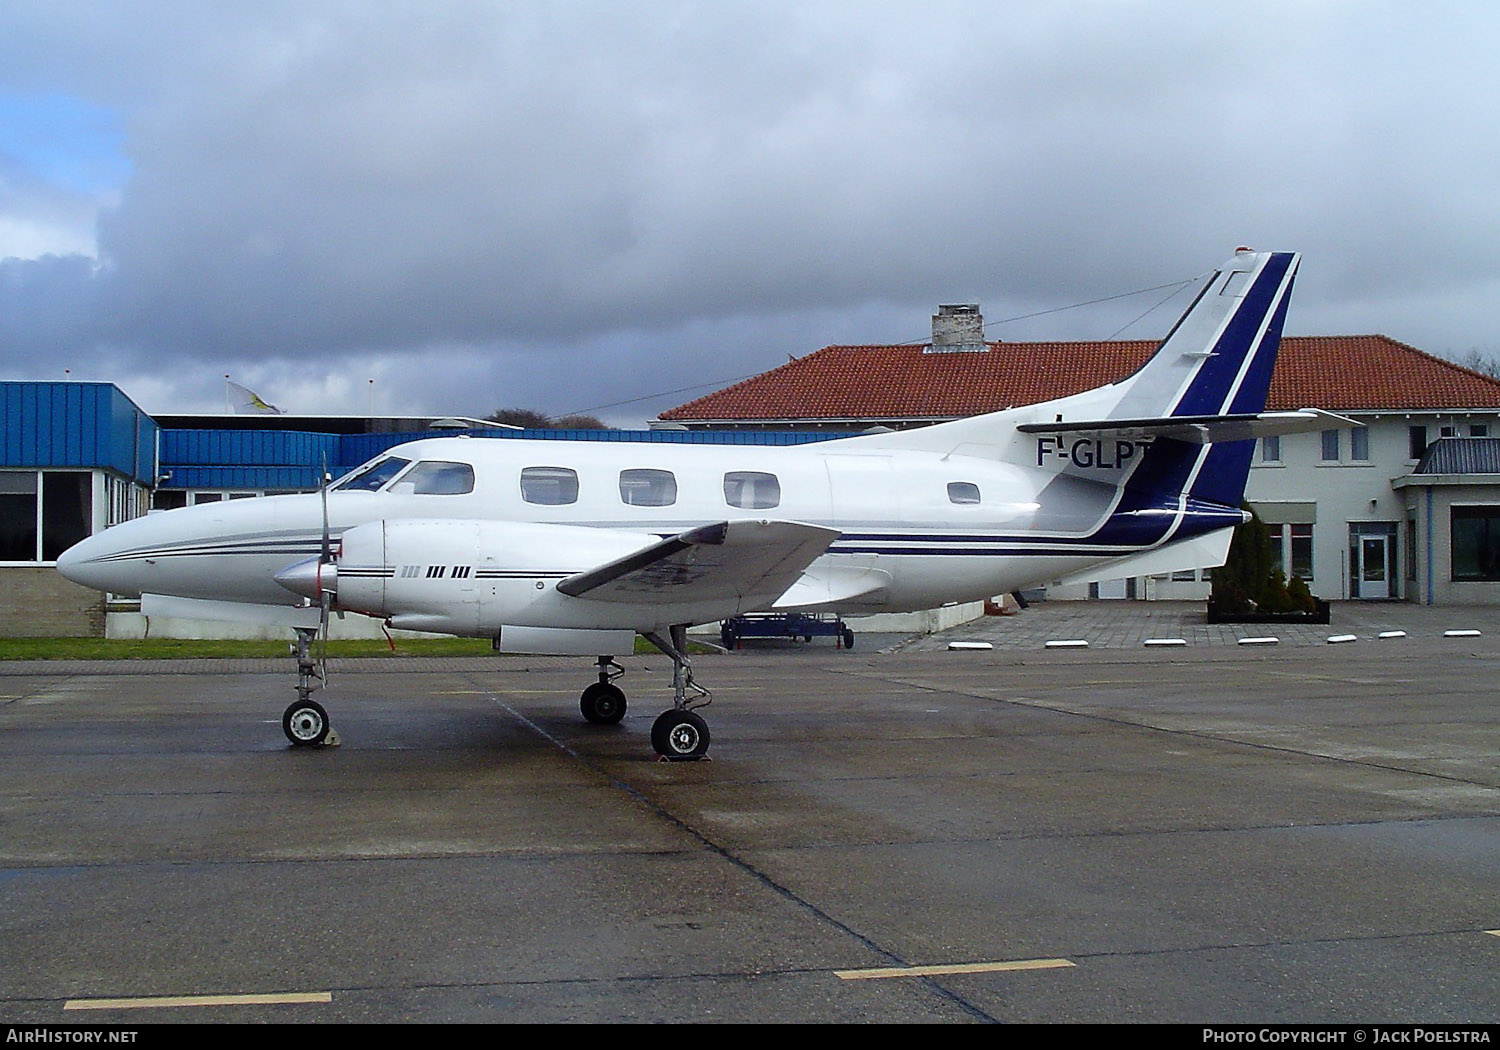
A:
(568, 547)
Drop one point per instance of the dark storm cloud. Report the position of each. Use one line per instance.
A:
(572, 204)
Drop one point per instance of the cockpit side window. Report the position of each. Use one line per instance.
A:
(644, 487)
(375, 475)
(963, 492)
(432, 477)
(751, 490)
(549, 486)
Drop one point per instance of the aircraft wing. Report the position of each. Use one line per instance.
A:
(723, 560)
(1202, 430)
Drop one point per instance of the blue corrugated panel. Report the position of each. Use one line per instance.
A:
(300, 478)
(246, 447)
(75, 425)
(357, 448)
(32, 426)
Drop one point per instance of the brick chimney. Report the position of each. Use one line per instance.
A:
(957, 328)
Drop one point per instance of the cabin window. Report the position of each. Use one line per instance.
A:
(963, 492)
(375, 475)
(434, 477)
(645, 487)
(751, 490)
(549, 486)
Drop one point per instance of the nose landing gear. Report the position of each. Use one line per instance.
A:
(305, 722)
(603, 703)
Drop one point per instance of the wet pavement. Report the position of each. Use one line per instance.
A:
(1129, 625)
(1216, 833)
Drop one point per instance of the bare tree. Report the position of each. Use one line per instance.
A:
(534, 420)
(1476, 360)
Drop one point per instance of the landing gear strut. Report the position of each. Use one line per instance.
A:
(680, 734)
(603, 703)
(305, 722)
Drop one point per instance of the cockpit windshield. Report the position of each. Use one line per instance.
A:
(433, 477)
(370, 478)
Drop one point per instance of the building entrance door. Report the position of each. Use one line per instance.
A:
(1373, 571)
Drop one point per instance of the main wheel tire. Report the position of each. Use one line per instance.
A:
(602, 703)
(305, 723)
(679, 735)
(848, 638)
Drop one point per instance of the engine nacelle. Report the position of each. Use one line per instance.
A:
(484, 579)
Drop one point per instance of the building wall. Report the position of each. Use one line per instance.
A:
(1430, 507)
(35, 602)
(76, 425)
(1352, 493)
(1338, 496)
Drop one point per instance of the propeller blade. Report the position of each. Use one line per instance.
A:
(326, 556)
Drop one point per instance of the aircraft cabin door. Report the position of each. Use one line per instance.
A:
(862, 493)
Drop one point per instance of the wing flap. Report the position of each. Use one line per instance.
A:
(835, 587)
(730, 559)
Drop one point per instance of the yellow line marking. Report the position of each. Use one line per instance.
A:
(1493, 933)
(937, 971)
(151, 1002)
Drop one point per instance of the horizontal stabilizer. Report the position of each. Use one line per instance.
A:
(1208, 551)
(1202, 430)
(735, 559)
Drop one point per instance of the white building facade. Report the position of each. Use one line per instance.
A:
(1347, 509)
(1341, 513)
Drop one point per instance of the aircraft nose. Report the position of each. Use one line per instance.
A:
(102, 561)
(78, 563)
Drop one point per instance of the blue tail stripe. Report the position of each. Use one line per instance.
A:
(1210, 389)
(1252, 394)
(1222, 479)
(1167, 468)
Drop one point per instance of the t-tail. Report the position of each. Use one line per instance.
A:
(1162, 455)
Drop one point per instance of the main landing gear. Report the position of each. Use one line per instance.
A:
(677, 735)
(680, 734)
(305, 722)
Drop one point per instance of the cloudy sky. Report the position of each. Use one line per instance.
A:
(618, 206)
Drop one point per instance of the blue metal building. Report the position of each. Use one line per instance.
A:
(79, 457)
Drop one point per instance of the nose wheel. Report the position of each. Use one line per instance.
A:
(305, 723)
(603, 704)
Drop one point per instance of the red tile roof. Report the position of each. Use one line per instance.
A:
(1336, 373)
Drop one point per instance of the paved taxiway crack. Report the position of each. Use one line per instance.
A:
(743, 865)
